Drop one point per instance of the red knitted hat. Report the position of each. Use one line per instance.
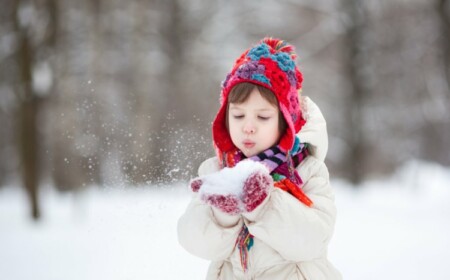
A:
(270, 64)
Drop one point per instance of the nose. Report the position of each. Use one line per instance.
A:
(249, 128)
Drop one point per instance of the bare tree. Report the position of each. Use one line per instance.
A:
(443, 8)
(434, 136)
(30, 101)
(356, 61)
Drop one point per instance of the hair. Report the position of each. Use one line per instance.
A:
(241, 92)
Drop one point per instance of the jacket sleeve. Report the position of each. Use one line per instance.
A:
(205, 231)
(297, 232)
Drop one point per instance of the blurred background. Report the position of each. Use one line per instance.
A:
(120, 95)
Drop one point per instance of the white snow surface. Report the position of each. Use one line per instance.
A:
(392, 228)
(231, 180)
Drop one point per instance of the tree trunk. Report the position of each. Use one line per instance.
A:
(29, 152)
(444, 12)
(28, 111)
(356, 59)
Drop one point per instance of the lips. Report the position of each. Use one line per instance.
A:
(248, 144)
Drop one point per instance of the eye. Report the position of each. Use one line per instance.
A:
(263, 118)
(238, 117)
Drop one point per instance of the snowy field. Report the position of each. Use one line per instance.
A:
(395, 228)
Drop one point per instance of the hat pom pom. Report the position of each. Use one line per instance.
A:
(279, 45)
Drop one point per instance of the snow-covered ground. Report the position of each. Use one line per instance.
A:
(395, 228)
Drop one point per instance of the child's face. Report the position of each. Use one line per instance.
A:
(253, 125)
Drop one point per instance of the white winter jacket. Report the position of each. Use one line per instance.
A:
(290, 239)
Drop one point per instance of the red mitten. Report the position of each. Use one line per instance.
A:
(196, 184)
(256, 189)
(235, 190)
(226, 203)
(215, 194)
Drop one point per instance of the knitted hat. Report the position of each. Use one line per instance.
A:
(270, 64)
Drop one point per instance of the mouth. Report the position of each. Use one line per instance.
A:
(248, 144)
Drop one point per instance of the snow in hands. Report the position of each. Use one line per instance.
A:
(235, 190)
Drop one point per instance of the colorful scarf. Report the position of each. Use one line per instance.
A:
(281, 166)
(285, 176)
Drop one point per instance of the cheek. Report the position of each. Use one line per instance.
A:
(232, 128)
(275, 125)
(275, 130)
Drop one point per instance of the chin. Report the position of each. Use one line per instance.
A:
(250, 153)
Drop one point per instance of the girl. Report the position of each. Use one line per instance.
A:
(263, 208)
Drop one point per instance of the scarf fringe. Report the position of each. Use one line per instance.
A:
(244, 242)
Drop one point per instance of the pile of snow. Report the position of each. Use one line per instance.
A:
(395, 228)
(231, 180)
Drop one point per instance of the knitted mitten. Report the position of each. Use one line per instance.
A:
(196, 184)
(234, 190)
(256, 189)
(227, 203)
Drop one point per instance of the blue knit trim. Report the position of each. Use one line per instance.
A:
(259, 51)
(284, 61)
(261, 78)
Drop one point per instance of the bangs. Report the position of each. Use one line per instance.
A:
(241, 92)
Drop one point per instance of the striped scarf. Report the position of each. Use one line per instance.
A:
(281, 166)
(285, 176)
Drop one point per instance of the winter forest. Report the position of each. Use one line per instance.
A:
(106, 110)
